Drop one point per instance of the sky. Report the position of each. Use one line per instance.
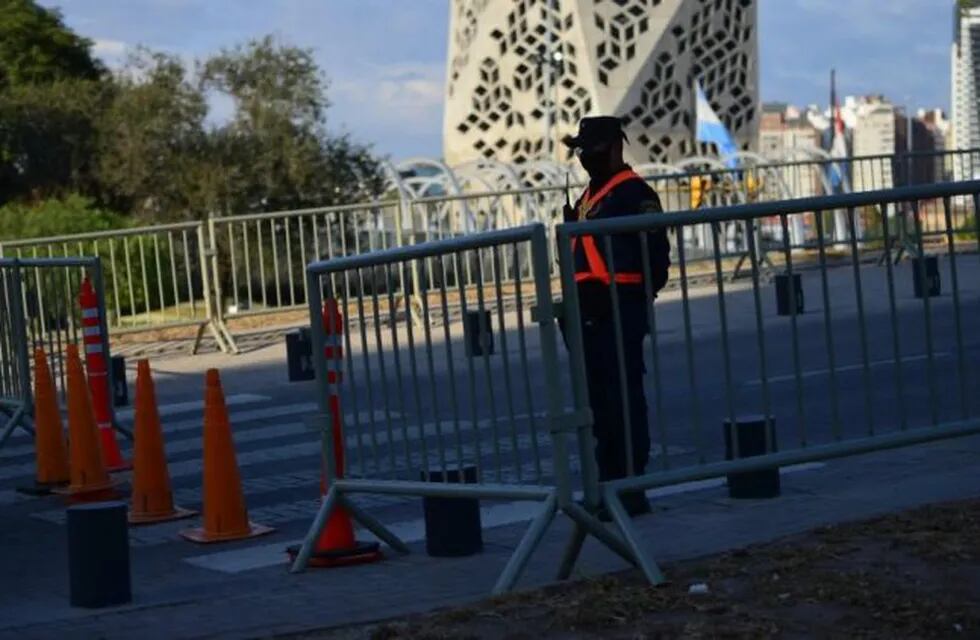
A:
(386, 59)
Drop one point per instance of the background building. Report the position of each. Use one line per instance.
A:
(873, 134)
(521, 73)
(965, 72)
(784, 130)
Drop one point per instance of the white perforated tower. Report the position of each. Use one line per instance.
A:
(633, 58)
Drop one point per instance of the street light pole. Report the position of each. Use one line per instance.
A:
(553, 61)
(549, 107)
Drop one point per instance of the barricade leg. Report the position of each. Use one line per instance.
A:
(220, 329)
(530, 541)
(16, 420)
(592, 525)
(625, 525)
(572, 551)
(373, 525)
(222, 337)
(319, 522)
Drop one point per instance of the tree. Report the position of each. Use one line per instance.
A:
(269, 83)
(49, 95)
(279, 97)
(137, 142)
(283, 156)
(36, 47)
(150, 135)
(48, 138)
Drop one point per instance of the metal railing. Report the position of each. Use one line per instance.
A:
(881, 361)
(207, 274)
(41, 311)
(16, 403)
(156, 276)
(429, 403)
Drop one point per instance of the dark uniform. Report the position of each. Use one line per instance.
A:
(622, 194)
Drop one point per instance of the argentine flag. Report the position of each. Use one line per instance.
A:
(710, 129)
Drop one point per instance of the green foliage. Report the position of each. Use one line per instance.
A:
(123, 262)
(271, 84)
(36, 47)
(48, 138)
(73, 214)
(148, 135)
(137, 141)
(275, 152)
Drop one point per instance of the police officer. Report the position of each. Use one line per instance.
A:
(615, 190)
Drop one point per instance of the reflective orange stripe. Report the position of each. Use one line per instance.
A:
(597, 266)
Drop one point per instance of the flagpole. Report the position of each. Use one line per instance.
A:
(693, 114)
(833, 107)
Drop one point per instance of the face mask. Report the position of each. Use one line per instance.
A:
(594, 160)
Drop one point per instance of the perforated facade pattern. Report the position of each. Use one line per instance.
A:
(633, 58)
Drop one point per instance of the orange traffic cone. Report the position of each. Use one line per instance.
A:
(50, 448)
(90, 481)
(98, 378)
(336, 546)
(225, 515)
(153, 500)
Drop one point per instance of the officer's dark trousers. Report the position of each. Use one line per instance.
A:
(606, 389)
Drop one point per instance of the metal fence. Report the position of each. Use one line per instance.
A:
(470, 389)
(41, 311)
(155, 276)
(883, 355)
(208, 274)
(16, 402)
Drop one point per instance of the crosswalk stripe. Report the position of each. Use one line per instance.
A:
(195, 405)
(11, 451)
(236, 419)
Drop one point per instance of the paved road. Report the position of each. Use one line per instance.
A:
(278, 455)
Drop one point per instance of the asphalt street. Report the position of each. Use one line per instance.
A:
(278, 453)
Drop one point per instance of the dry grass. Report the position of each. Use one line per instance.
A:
(910, 575)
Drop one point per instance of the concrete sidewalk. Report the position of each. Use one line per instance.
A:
(176, 599)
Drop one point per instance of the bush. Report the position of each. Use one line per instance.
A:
(73, 214)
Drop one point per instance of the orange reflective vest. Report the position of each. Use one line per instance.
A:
(597, 270)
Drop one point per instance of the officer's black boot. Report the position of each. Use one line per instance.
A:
(636, 503)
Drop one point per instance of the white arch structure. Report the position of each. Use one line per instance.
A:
(488, 194)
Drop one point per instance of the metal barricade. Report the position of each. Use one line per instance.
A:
(885, 357)
(156, 276)
(41, 311)
(205, 274)
(475, 386)
(259, 259)
(16, 403)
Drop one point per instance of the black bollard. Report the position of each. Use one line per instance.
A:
(120, 388)
(751, 434)
(299, 355)
(452, 525)
(478, 333)
(783, 307)
(933, 286)
(98, 554)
